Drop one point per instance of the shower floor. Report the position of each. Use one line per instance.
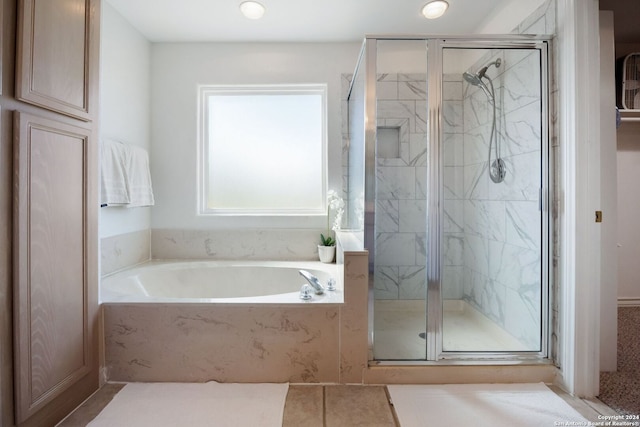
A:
(398, 323)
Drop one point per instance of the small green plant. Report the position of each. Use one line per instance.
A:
(327, 241)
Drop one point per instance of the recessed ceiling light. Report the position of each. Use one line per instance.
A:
(435, 9)
(252, 9)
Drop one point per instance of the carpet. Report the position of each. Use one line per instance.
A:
(189, 404)
(480, 405)
(620, 390)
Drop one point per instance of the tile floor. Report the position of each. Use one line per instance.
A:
(327, 405)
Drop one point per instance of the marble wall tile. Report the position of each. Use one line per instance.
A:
(453, 282)
(412, 77)
(421, 184)
(417, 150)
(476, 254)
(395, 183)
(387, 77)
(197, 343)
(387, 90)
(476, 181)
(514, 266)
(413, 89)
(476, 145)
(421, 248)
(493, 301)
(523, 224)
(395, 249)
(398, 110)
(537, 27)
(271, 244)
(452, 117)
(386, 280)
(452, 90)
(453, 248)
(421, 118)
(476, 109)
(485, 218)
(412, 215)
(523, 131)
(521, 85)
(412, 282)
(453, 149)
(512, 58)
(453, 219)
(387, 216)
(453, 185)
(522, 317)
(522, 181)
(124, 250)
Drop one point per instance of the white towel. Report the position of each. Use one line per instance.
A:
(113, 188)
(139, 178)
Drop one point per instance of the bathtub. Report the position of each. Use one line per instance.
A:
(234, 321)
(240, 282)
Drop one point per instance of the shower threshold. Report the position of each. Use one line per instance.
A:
(400, 323)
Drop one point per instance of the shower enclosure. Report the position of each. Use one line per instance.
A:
(447, 177)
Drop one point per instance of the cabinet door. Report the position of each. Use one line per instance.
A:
(57, 52)
(55, 274)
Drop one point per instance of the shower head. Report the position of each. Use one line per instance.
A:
(476, 80)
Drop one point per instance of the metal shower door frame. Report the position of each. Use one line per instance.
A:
(435, 46)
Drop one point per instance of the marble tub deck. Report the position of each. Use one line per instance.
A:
(326, 405)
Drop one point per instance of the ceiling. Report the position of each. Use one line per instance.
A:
(299, 20)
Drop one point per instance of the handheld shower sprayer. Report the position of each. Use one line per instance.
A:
(497, 169)
(476, 79)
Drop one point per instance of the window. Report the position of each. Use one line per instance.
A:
(263, 149)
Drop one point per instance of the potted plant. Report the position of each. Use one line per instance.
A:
(327, 246)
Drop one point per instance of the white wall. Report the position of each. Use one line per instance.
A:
(628, 208)
(178, 69)
(124, 105)
(608, 198)
(628, 157)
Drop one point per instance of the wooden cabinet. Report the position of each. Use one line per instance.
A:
(55, 207)
(56, 65)
(54, 247)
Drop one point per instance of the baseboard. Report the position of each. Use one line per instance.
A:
(628, 302)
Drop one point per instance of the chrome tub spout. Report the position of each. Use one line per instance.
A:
(313, 281)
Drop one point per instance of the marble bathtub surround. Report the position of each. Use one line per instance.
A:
(239, 244)
(242, 342)
(124, 250)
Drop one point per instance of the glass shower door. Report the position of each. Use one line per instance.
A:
(447, 179)
(492, 146)
(399, 272)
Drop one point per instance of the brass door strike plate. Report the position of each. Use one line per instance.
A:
(598, 216)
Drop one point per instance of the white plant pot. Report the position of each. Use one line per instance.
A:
(326, 253)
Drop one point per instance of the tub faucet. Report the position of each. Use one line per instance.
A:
(313, 281)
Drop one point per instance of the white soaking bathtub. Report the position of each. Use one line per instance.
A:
(244, 282)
